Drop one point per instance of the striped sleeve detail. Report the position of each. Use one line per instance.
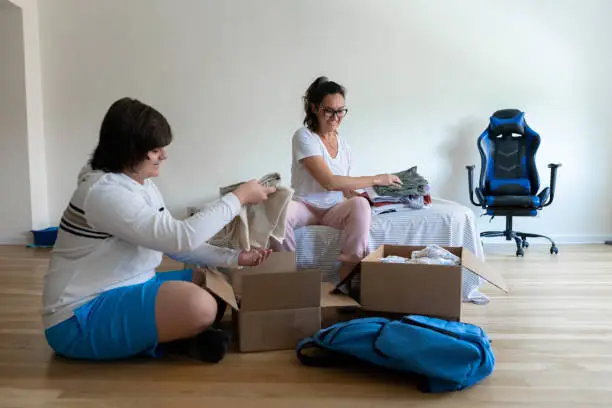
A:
(74, 222)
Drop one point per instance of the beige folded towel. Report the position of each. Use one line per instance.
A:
(258, 222)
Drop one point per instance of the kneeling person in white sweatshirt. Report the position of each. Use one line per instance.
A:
(102, 298)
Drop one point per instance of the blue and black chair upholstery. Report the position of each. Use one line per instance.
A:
(509, 180)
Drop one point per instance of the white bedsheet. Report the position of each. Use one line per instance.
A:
(443, 223)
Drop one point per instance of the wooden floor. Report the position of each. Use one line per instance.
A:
(552, 337)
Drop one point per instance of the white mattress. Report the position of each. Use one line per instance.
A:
(443, 223)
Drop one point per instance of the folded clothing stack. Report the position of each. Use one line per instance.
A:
(413, 194)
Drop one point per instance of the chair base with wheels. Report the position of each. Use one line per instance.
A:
(519, 237)
(509, 184)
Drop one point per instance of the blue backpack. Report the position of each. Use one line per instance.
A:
(445, 355)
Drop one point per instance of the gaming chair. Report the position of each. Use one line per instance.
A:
(509, 180)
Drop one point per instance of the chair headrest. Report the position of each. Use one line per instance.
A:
(507, 121)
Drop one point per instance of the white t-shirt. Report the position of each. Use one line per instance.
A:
(114, 233)
(306, 144)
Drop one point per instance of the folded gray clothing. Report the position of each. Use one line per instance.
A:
(269, 180)
(413, 185)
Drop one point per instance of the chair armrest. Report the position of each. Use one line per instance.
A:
(553, 182)
(470, 170)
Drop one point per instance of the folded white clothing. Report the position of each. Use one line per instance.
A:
(395, 259)
(422, 260)
(434, 251)
(430, 255)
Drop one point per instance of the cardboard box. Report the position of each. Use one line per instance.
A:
(433, 290)
(275, 305)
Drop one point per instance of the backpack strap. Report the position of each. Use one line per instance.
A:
(313, 360)
(321, 357)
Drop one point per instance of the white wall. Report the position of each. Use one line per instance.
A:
(14, 177)
(422, 78)
(37, 155)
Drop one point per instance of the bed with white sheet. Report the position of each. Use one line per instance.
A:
(443, 222)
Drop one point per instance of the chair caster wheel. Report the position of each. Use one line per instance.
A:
(554, 250)
(519, 252)
(525, 244)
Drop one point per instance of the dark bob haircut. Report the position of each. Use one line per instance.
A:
(130, 129)
(316, 92)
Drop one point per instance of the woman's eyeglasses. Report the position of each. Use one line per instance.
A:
(329, 112)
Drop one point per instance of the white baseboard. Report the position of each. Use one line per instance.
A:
(13, 240)
(560, 239)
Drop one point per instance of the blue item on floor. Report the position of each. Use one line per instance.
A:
(445, 355)
(44, 238)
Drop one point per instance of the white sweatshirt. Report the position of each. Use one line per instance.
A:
(114, 233)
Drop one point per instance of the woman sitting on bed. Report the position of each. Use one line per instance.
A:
(324, 191)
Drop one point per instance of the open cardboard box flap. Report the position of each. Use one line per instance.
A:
(475, 265)
(217, 283)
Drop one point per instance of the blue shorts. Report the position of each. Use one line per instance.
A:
(117, 324)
